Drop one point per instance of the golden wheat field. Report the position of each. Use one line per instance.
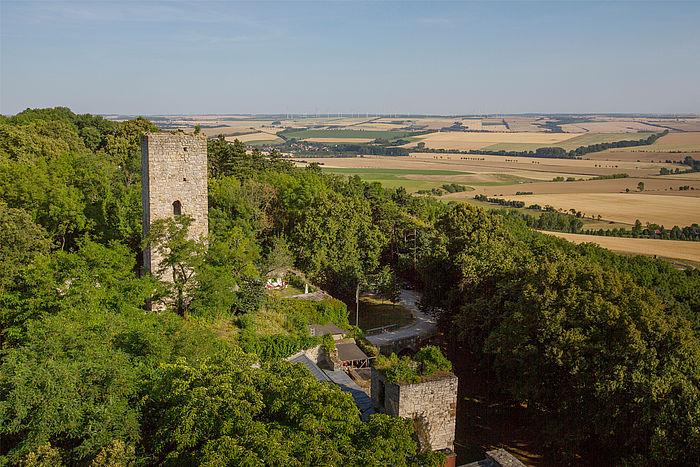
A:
(683, 142)
(498, 176)
(615, 126)
(256, 136)
(667, 210)
(657, 185)
(525, 167)
(643, 246)
(339, 140)
(463, 141)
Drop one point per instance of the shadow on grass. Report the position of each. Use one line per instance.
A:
(376, 312)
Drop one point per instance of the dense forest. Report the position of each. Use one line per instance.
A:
(603, 350)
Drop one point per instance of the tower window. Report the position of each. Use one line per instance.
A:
(177, 208)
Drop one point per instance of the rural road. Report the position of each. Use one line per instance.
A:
(423, 326)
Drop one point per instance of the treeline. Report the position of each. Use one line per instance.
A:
(551, 219)
(610, 176)
(689, 233)
(501, 201)
(694, 166)
(445, 188)
(561, 153)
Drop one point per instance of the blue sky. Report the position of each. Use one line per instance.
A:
(166, 57)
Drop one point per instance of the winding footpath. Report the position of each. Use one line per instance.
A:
(424, 325)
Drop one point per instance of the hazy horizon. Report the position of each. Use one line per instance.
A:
(437, 58)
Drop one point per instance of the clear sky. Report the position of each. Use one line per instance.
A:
(136, 57)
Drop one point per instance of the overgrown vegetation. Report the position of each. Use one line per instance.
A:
(427, 361)
(603, 350)
(88, 376)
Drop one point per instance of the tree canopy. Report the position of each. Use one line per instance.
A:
(602, 349)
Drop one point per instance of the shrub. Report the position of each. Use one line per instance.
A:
(432, 360)
(328, 344)
(398, 370)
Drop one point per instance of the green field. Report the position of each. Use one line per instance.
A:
(343, 134)
(394, 181)
(359, 170)
(394, 178)
(569, 144)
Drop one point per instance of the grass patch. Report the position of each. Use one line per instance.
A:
(374, 134)
(393, 178)
(290, 291)
(412, 186)
(376, 312)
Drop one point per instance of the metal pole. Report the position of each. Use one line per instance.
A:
(357, 306)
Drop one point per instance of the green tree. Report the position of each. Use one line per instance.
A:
(180, 257)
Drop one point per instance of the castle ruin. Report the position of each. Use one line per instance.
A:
(173, 183)
(431, 404)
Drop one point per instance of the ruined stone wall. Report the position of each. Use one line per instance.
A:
(432, 405)
(173, 168)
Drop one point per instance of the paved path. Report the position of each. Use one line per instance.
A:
(424, 325)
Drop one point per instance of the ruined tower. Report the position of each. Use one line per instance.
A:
(173, 183)
(431, 404)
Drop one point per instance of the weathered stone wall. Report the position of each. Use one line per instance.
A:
(431, 404)
(173, 168)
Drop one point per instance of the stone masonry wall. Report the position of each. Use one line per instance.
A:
(173, 168)
(432, 405)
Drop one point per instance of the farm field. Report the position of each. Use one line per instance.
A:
(572, 142)
(642, 154)
(612, 126)
(332, 134)
(258, 136)
(394, 178)
(463, 141)
(656, 185)
(339, 140)
(684, 142)
(498, 176)
(623, 207)
(394, 171)
(674, 249)
(524, 168)
(692, 176)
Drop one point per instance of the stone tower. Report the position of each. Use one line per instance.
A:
(173, 183)
(431, 404)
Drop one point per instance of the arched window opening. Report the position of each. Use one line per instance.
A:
(177, 208)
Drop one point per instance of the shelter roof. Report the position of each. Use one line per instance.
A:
(322, 330)
(350, 352)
